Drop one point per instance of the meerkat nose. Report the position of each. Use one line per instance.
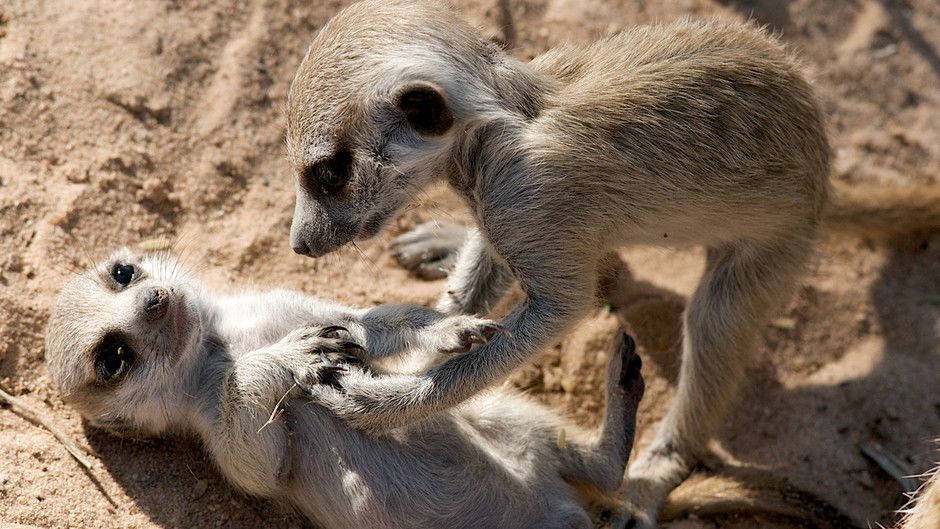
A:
(155, 303)
(300, 247)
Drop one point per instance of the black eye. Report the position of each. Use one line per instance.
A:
(113, 359)
(123, 273)
(330, 176)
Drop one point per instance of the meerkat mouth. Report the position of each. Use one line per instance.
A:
(372, 225)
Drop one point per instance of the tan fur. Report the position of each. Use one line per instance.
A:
(689, 133)
(924, 510)
(883, 211)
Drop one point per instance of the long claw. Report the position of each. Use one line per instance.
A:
(493, 329)
(328, 376)
(330, 370)
(303, 386)
(475, 336)
(332, 331)
(353, 346)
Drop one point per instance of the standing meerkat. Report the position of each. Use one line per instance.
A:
(137, 344)
(689, 133)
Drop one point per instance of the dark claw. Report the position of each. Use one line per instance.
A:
(327, 375)
(629, 343)
(303, 386)
(469, 337)
(354, 350)
(489, 331)
(333, 331)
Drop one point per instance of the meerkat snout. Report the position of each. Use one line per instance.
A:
(352, 192)
(367, 132)
(311, 228)
(156, 300)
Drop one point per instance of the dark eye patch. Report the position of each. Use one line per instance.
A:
(330, 176)
(113, 357)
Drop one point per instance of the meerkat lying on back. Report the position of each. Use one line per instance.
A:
(690, 133)
(137, 344)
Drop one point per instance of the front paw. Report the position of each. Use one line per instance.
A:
(331, 342)
(325, 370)
(429, 250)
(460, 334)
(323, 355)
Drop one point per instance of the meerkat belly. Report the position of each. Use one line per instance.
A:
(433, 476)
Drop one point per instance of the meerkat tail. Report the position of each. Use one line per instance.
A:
(883, 210)
(735, 492)
(924, 510)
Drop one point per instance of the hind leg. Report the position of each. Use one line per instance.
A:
(430, 249)
(741, 286)
(601, 461)
(477, 278)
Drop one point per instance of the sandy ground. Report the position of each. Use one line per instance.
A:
(164, 117)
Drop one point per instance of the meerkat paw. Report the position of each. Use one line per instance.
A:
(326, 370)
(326, 354)
(460, 334)
(429, 250)
(626, 369)
(333, 342)
(651, 478)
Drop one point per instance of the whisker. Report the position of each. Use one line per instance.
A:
(372, 265)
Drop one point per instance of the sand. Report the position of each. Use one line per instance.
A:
(121, 123)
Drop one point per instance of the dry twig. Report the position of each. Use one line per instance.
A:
(26, 411)
(277, 411)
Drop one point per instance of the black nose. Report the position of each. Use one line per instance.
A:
(300, 247)
(155, 303)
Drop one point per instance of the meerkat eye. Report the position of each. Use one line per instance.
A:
(123, 273)
(113, 359)
(331, 175)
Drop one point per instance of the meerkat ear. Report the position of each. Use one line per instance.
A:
(425, 108)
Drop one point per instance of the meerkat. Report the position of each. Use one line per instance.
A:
(687, 133)
(138, 345)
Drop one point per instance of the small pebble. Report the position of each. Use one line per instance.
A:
(787, 324)
(200, 489)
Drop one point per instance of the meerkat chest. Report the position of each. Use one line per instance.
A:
(253, 321)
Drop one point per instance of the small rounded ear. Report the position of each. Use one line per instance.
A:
(425, 109)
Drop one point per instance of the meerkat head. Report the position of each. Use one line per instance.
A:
(372, 115)
(119, 339)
